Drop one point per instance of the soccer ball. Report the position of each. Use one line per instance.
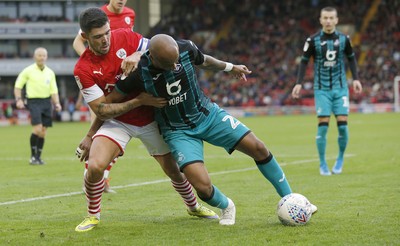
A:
(294, 209)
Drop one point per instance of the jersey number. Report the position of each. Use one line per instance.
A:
(345, 102)
(233, 121)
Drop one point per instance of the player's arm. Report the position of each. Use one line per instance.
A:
(56, 101)
(19, 102)
(307, 53)
(84, 146)
(79, 44)
(111, 107)
(19, 84)
(208, 62)
(130, 63)
(353, 66)
(211, 63)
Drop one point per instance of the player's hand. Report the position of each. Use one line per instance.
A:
(150, 100)
(130, 64)
(82, 151)
(20, 104)
(296, 91)
(240, 72)
(357, 87)
(57, 107)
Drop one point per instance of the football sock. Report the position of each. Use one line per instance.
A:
(186, 192)
(33, 142)
(40, 144)
(343, 137)
(94, 192)
(107, 171)
(86, 167)
(274, 173)
(321, 141)
(217, 199)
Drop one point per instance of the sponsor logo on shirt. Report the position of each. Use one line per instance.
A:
(121, 53)
(127, 20)
(98, 72)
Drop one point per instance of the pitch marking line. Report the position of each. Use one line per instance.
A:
(156, 182)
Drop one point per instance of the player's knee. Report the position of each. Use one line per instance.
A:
(204, 190)
(260, 150)
(174, 174)
(96, 166)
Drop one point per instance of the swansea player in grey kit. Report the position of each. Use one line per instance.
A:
(167, 71)
(329, 47)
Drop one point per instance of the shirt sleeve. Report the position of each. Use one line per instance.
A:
(198, 56)
(90, 90)
(21, 79)
(53, 84)
(308, 51)
(129, 84)
(348, 50)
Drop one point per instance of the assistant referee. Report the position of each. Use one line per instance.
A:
(41, 89)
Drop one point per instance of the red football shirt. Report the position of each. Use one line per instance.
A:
(126, 19)
(96, 75)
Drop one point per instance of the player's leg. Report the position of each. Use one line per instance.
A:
(47, 121)
(34, 139)
(102, 151)
(266, 163)
(323, 107)
(341, 110)
(156, 146)
(197, 175)
(184, 188)
(108, 143)
(107, 187)
(228, 132)
(37, 129)
(320, 140)
(343, 138)
(188, 151)
(40, 144)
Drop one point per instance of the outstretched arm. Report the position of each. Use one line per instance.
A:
(211, 63)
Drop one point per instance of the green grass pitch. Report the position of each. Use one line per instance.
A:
(41, 205)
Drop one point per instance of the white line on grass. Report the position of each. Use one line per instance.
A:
(156, 182)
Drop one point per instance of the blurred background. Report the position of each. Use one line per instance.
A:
(267, 36)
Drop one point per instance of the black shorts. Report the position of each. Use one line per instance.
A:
(41, 111)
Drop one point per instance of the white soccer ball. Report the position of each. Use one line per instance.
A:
(294, 209)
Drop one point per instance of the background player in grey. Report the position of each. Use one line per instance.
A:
(329, 47)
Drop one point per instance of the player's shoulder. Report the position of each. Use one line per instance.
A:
(83, 64)
(341, 34)
(185, 44)
(30, 67)
(315, 35)
(49, 69)
(127, 10)
(126, 32)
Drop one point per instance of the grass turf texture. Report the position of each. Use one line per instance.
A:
(358, 207)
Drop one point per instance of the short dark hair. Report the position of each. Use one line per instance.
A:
(92, 18)
(329, 9)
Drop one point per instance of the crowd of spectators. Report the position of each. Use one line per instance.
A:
(268, 37)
